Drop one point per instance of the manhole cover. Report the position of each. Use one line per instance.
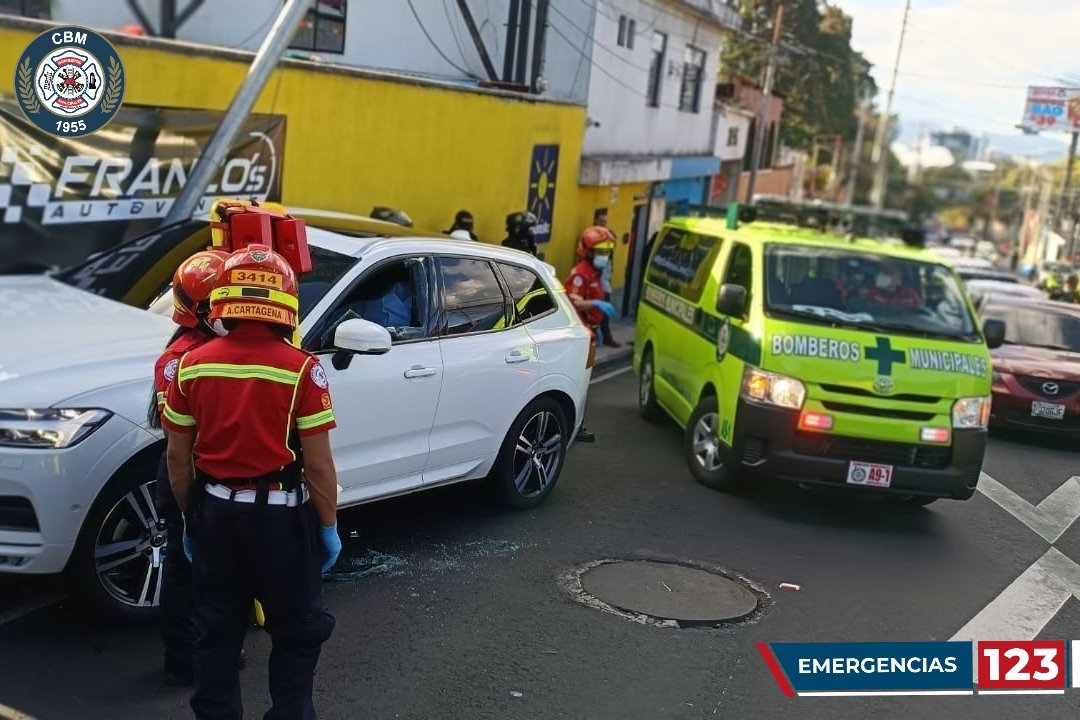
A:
(669, 592)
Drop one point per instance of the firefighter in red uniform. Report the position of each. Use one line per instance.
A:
(249, 460)
(585, 285)
(586, 288)
(192, 283)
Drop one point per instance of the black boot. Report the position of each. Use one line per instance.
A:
(584, 436)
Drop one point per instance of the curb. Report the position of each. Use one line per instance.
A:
(615, 361)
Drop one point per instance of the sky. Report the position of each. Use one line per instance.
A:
(968, 62)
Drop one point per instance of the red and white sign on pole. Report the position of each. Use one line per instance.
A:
(1053, 109)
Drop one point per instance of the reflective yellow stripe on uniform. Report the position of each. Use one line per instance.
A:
(160, 399)
(178, 418)
(239, 372)
(309, 421)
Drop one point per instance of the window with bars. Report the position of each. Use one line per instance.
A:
(627, 30)
(692, 78)
(323, 28)
(27, 8)
(656, 69)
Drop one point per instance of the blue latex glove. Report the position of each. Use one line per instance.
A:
(605, 307)
(332, 543)
(185, 541)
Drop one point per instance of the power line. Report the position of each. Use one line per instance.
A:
(435, 46)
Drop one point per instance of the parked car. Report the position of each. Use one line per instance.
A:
(487, 380)
(982, 290)
(1036, 378)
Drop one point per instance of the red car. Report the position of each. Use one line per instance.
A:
(1037, 371)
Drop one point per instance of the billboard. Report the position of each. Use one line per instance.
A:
(1052, 109)
(63, 199)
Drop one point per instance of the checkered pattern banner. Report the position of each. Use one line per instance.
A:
(62, 199)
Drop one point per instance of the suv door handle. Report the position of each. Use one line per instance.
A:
(517, 356)
(419, 371)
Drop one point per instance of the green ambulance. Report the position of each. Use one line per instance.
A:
(797, 354)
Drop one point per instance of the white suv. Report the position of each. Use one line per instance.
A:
(481, 372)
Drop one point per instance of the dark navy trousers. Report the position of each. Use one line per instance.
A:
(273, 553)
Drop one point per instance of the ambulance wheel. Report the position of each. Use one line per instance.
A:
(706, 456)
(532, 455)
(116, 567)
(647, 406)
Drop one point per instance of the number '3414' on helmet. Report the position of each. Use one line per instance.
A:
(256, 284)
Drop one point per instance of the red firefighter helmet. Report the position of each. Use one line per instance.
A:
(594, 238)
(192, 284)
(257, 284)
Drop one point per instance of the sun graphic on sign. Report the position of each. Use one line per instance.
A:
(544, 185)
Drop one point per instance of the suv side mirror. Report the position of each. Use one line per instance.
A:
(731, 300)
(362, 337)
(994, 330)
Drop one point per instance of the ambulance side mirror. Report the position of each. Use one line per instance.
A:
(994, 330)
(362, 337)
(731, 300)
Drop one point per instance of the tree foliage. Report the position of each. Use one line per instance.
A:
(821, 77)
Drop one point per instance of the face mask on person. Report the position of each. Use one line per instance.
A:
(601, 261)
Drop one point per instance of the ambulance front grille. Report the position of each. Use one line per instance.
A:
(863, 392)
(876, 451)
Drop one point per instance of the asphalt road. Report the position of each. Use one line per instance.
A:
(449, 608)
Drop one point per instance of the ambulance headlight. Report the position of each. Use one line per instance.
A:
(49, 428)
(971, 413)
(772, 389)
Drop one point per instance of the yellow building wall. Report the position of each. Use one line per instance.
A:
(619, 201)
(354, 141)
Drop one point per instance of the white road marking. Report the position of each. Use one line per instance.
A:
(41, 602)
(1050, 518)
(10, 713)
(614, 373)
(1075, 655)
(1029, 603)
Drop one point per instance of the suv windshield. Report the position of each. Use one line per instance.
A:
(862, 290)
(1037, 327)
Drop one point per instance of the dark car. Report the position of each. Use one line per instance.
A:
(1036, 380)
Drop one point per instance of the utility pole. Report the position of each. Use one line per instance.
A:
(856, 154)
(879, 155)
(1065, 208)
(763, 115)
(266, 59)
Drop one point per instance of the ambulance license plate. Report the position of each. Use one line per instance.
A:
(869, 474)
(1050, 411)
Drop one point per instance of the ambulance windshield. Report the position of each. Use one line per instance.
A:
(863, 290)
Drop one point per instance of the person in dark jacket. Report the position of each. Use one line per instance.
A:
(521, 231)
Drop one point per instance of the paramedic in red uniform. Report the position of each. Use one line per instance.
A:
(586, 288)
(249, 460)
(192, 283)
(585, 284)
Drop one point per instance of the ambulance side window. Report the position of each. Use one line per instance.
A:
(740, 268)
(394, 295)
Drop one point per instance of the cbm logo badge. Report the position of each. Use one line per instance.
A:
(70, 81)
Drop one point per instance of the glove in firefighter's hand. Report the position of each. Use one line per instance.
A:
(332, 543)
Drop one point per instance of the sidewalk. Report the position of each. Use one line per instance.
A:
(608, 358)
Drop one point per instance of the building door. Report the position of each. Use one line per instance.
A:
(635, 267)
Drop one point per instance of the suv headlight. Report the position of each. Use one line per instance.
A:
(49, 428)
(971, 413)
(772, 389)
